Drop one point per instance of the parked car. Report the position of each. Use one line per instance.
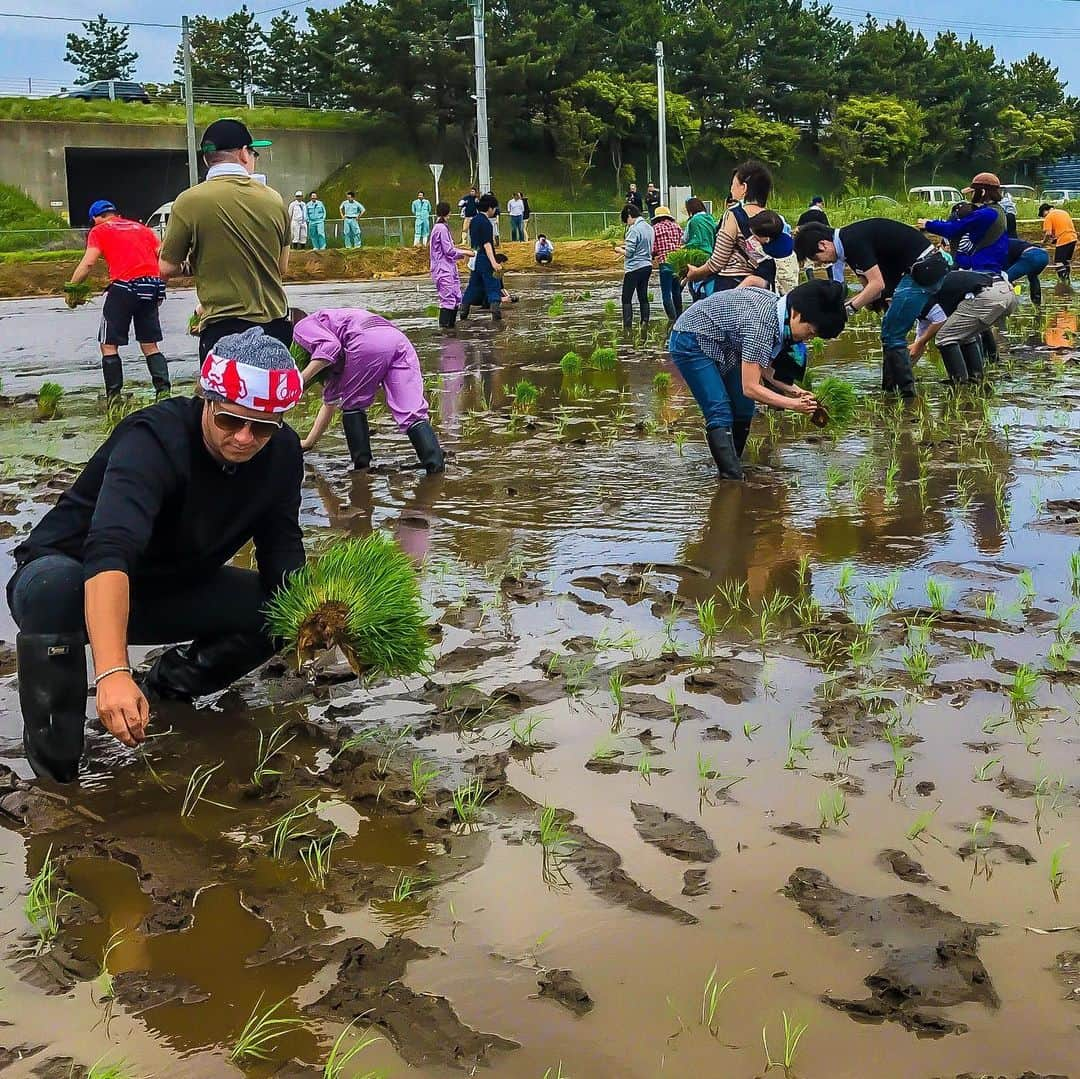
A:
(159, 219)
(108, 90)
(1019, 191)
(936, 195)
(1057, 195)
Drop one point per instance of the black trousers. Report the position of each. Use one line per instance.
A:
(636, 281)
(281, 328)
(46, 596)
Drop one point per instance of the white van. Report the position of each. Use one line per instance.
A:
(159, 219)
(936, 196)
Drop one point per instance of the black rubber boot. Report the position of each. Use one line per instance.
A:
(197, 669)
(644, 304)
(740, 432)
(989, 347)
(627, 315)
(447, 317)
(357, 437)
(722, 447)
(426, 443)
(52, 695)
(1035, 289)
(955, 364)
(158, 367)
(888, 375)
(496, 311)
(113, 371)
(973, 359)
(898, 360)
(463, 311)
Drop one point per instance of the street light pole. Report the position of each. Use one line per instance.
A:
(189, 103)
(661, 121)
(483, 160)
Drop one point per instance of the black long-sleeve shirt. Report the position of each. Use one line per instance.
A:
(154, 504)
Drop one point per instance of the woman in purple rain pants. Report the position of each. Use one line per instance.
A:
(444, 272)
(359, 352)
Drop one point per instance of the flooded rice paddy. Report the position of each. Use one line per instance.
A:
(695, 759)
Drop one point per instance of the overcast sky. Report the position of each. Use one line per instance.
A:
(35, 48)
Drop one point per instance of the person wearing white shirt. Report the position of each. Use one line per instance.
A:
(298, 221)
(516, 209)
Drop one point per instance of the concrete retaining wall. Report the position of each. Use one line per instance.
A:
(32, 153)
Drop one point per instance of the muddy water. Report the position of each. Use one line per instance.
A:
(562, 548)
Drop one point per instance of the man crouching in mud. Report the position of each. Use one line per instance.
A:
(135, 552)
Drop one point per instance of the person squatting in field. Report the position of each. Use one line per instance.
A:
(357, 353)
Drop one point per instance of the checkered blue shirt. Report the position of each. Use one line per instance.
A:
(735, 326)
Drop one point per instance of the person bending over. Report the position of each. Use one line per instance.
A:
(358, 352)
(727, 346)
(979, 238)
(1058, 229)
(484, 282)
(1027, 259)
(136, 551)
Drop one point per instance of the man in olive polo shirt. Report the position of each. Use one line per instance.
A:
(234, 230)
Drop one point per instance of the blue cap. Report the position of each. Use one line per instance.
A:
(102, 206)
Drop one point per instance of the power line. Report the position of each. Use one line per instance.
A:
(66, 18)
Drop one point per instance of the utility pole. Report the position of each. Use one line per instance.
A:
(189, 103)
(661, 121)
(483, 159)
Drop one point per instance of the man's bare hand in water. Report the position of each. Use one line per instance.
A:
(122, 708)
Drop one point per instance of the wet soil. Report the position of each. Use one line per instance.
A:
(694, 773)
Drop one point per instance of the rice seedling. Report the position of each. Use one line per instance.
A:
(990, 605)
(262, 1031)
(832, 807)
(340, 1055)
(77, 293)
(603, 359)
(900, 754)
(1074, 572)
(104, 980)
(937, 593)
(683, 258)
(196, 789)
(1001, 501)
(891, 473)
(289, 827)
(1024, 687)
(793, 1033)
(809, 611)
(606, 748)
(557, 305)
(523, 731)
(734, 594)
(1057, 870)
(469, 799)
(611, 309)
(710, 1000)
(316, 857)
(362, 595)
(269, 748)
(845, 581)
(44, 900)
(48, 400)
(432, 310)
(799, 747)
(919, 830)
(554, 835)
(661, 382)
(882, 594)
(803, 572)
(526, 394)
(555, 1073)
(644, 766)
(749, 729)
(834, 478)
(708, 621)
(421, 779)
(861, 478)
(1027, 589)
(1060, 654)
(101, 1070)
(982, 773)
(838, 399)
(771, 609)
(407, 887)
(680, 438)
(571, 363)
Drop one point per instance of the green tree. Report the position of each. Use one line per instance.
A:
(874, 132)
(1028, 141)
(286, 61)
(577, 134)
(891, 59)
(748, 135)
(227, 52)
(1033, 85)
(101, 51)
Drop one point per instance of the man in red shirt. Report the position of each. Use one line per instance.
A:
(135, 292)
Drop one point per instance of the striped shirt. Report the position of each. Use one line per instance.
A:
(735, 326)
(667, 237)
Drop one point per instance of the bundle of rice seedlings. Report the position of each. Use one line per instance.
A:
(363, 596)
(526, 394)
(557, 305)
(48, 400)
(299, 354)
(74, 295)
(603, 359)
(685, 257)
(432, 310)
(571, 363)
(194, 323)
(837, 400)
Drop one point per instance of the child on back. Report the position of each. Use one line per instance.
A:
(359, 352)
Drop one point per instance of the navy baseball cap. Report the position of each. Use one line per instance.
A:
(229, 134)
(102, 206)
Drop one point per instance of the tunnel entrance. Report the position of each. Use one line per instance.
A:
(137, 181)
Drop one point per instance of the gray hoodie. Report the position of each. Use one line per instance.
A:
(639, 243)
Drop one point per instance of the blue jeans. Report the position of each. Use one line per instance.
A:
(351, 230)
(907, 304)
(670, 291)
(517, 228)
(483, 284)
(719, 395)
(1030, 264)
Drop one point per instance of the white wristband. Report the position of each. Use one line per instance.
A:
(111, 670)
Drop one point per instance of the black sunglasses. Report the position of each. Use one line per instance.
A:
(229, 423)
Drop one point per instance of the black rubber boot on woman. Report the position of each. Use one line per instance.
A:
(357, 437)
(900, 372)
(973, 358)
(200, 668)
(989, 347)
(955, 365)
(426, 443)
(740, 432)
(627, 315)
(52, 695)
(722, 448)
